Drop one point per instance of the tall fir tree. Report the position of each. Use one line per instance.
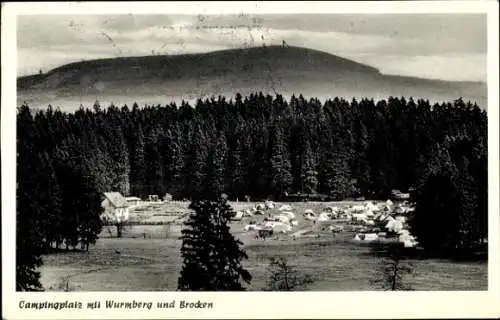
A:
(212, 256)
(309, 174)
(280, 166)
(216, 166)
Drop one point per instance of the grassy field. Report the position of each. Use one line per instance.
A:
(149, 260)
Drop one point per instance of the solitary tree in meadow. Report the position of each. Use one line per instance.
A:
(284, 277)
(392, 272)
(212, 256)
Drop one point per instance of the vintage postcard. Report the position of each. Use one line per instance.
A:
(250, 159)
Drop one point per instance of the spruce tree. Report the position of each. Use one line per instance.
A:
(137, 166)
(196, 162)
(173, 160)
(436, 219)
(211, 255)
(309, 174)
(280, 166)
(31, 204)
(217, 166)
(236, 169)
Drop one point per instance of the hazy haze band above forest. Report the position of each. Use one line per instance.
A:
(161, 80)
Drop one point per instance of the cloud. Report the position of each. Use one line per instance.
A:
(453, 67)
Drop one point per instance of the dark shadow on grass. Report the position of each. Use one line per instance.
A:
(62, 251)
(384, 250)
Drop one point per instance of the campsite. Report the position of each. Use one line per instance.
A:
(233, 167)
(147, 257)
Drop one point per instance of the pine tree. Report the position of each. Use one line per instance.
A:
(212, 256)
(196, 160)
(173, 160)
(137, 166)
(309, 173)
(280, 166)
(117, 148)
(216, 167)
(337, 172)
(153, 166)
(31, 205)
(436, 219)
(236, 170)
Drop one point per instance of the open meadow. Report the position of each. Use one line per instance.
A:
(147, 257)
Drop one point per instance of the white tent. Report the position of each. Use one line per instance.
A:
(247, 213)
(289, 214)
(331, 209)
(369, 213)
(285, 207)
(260, 206)
(356, 237)
(238, 216)
(309, 217)
(404, 232)
(323, 216)
(408, 240)
(252, 227)
(282, 218)
(359, 216)
(358, 209)
(370, 237)
(400, 218)
(394, 225)
(269, 204)
(370, 207)
(336, 228)
(278, 226)
(389, 202)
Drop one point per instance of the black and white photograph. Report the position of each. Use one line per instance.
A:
(269, 152)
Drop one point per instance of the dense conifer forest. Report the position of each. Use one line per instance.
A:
(259, 146)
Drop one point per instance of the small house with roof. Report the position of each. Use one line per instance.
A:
(116, 206)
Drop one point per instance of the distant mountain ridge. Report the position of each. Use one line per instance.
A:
(273, 69)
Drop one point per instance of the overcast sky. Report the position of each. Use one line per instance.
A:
(440, 46)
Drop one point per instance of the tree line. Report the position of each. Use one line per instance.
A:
(259, 146)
